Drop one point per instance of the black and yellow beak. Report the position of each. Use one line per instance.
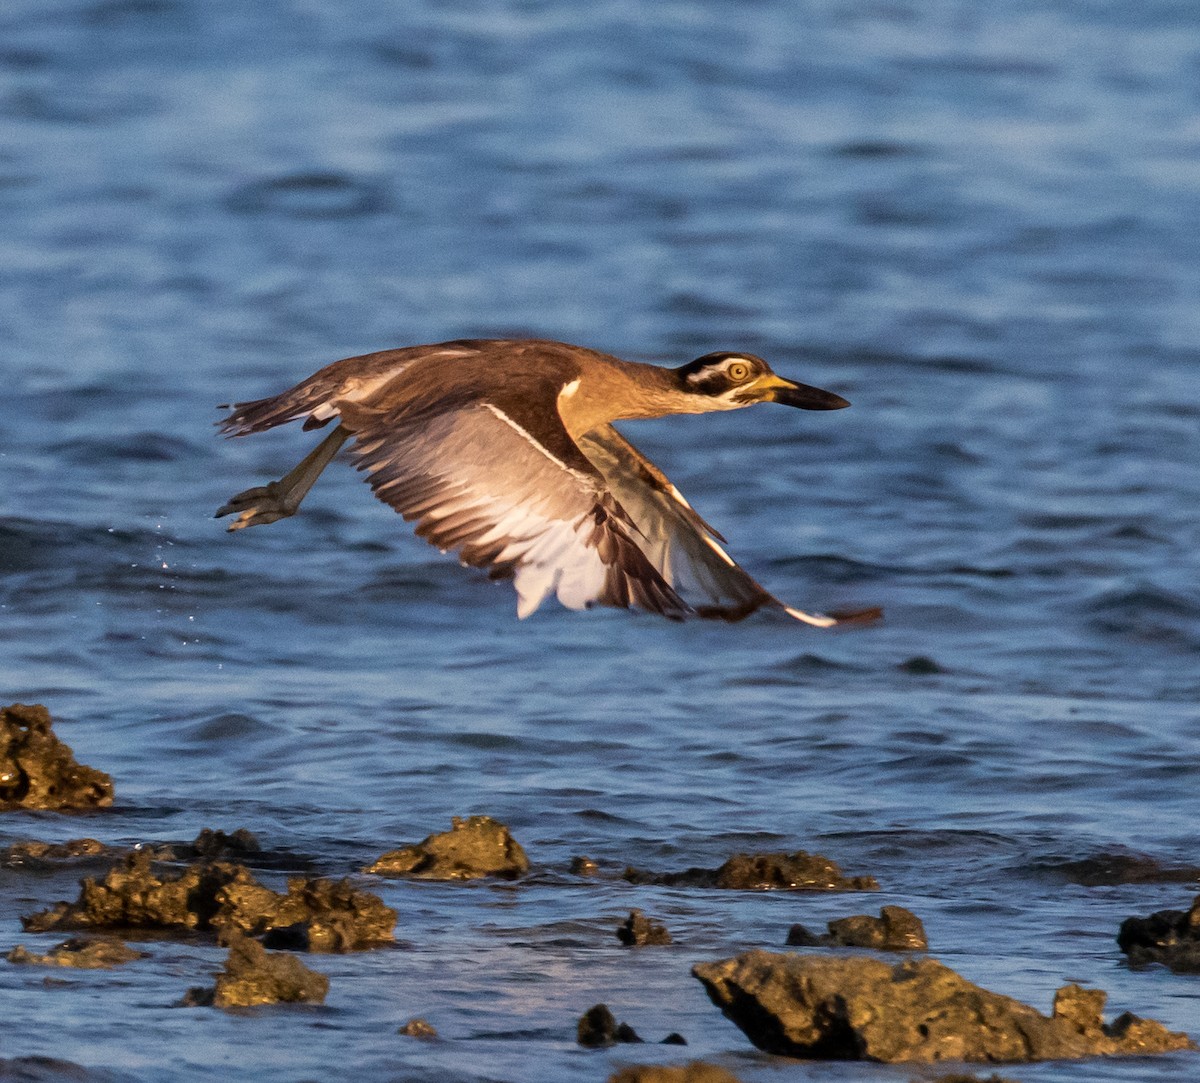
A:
(772, 388)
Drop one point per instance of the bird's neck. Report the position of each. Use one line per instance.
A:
(623, 391)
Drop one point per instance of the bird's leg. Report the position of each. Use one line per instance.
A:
(279, 499)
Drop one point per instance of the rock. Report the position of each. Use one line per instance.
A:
(473, 848)
(598, 1027)
(100, 953)
(47, 1070)
(212, 845)
(418, 1028)
(1118, 867)
(695, 1072)
(132, 896)
(316, 914)
(800, 871)
(252, 976)
(38, 771)
(1170, 937)
(965, 1077)
(209, 845)
(859, 1008)
(896, 929)
(638, 930)
(47, 854)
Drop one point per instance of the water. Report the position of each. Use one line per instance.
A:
(975, 221)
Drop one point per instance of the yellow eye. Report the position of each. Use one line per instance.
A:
(738, 371)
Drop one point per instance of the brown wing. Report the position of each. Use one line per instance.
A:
(681, 545)
(475, 482)
(352, 379)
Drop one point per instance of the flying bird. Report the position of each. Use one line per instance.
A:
(503, 452)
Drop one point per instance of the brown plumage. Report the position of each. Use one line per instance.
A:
(503, 452)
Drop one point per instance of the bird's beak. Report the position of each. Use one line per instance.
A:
(772, 388)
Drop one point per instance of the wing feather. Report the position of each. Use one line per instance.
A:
(476, 483)
(675, 539)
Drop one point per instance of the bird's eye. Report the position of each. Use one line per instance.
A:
(738, 371)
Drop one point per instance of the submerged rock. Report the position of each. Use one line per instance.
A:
(314, 915)
(32, 852)
(896, 929)
(859, 1008)
(99, 953)
(38, 771)
(966, 1077)
(214, 845)
(48, 1070)
(637, 930)
(598, 1027)
(1117, 867)
(800, 871)
(473, 848)
(1170, 937)
(695, 1072)
(253, 976)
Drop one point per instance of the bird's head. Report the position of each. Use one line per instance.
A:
(730, 381)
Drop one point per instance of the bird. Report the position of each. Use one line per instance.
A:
(503, 451)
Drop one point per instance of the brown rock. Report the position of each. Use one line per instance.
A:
(44, 854)
(965, 1077)
(314, 915)
(132, 896)
(418, 1028)
(1170, 937)
(99, 953)
(473, 848)
(598, 1027)
(252, 976)
(319, 915)
(216, 845)
(695, 1072)
(38, 771)
(896, 929)
(859, 1008)
(1117, 867)
(637, 930)
(800, 871)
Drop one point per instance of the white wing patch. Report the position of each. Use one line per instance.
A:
(477, 483)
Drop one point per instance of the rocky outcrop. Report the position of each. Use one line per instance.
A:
(799, 871)
(38, 771)
(84, 953)
(695, 1072)
(1170, 937)
(473, 848)
(859, 1008)
(638, 930)
(598, 1027)
(254, 976)
(896, 929)
(314, 914)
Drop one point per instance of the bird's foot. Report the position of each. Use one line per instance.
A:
(258, 506)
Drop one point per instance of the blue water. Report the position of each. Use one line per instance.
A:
(975, 221)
